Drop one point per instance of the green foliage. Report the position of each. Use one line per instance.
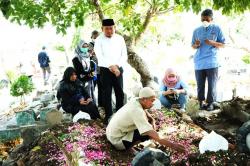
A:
(11, 75)
(246, 59)
(35, 13)
(168, 113)
(132, 26)
(76, 39)
(229, 6)
(60, 48)
(130, 14)
(22, 86)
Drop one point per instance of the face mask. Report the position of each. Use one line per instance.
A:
(84, 50)
(205, 24)
(172, 79)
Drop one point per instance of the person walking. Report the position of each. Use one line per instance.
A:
(44, 61)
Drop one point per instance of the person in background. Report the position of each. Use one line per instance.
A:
(74, 97)
(44, 61)
(111, 51)
(207, 39)
(85, 67)
(93, 57)
(94, 35)
(173, 90)
(133, 124)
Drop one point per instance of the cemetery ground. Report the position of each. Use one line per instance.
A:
(37, 142)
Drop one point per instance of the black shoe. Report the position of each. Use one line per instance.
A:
(106, 120)
(58, 106)
(203, 106)
(216, 105)
(210, 107)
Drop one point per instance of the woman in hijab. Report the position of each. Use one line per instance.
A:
(85, 67)
(73, 96)
(173, 90)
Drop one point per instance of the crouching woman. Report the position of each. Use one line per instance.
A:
(173, 90)
(74, 97)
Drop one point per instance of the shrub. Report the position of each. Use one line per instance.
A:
(246, 59)
(22, 86)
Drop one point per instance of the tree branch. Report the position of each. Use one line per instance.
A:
(98, 8)
(152, 11)
(144, 25)
(149, 3)
(164, 11)
(92, 13)
(245, 49)
(230, 36)
(69, 159)
(235, 45)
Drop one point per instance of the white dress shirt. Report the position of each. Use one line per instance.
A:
(110, 51)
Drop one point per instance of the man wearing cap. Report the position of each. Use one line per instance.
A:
(207, 39)
(111, 51)
(132, 124)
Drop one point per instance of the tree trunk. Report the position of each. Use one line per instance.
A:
(138, 63)
(22, 100)
(140, 66)
(66, 57)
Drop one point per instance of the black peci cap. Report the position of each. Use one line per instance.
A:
(108, 22)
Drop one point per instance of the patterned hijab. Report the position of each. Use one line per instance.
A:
(171, 78)
(81, 55)
(84, 58)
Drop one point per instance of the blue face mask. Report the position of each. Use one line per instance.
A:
(84, 50)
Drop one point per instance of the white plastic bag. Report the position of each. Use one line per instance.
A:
(82, 163)
(248, 140)
(81, 115)
(213, 142)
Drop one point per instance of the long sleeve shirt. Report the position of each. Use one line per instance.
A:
(179, 85)
(110, 51)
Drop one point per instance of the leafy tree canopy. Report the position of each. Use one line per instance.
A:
(133, 15)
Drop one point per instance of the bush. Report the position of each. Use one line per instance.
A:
(22, 86)
(246, 59)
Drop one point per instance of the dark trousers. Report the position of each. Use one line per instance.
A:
(91, 109)
(100, 90)
(212, 76)
(46, 73)
(109, 81)
(136, 137)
